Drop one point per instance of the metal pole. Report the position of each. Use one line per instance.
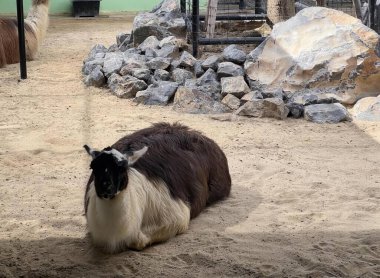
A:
(183, 6)
(372, 14)
(195, 25)
(241, 5)
(21, 38)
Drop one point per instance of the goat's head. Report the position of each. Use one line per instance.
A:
(110, 169)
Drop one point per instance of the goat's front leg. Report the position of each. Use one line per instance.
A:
(140, 242)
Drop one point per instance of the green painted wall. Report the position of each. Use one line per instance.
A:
(64, 6)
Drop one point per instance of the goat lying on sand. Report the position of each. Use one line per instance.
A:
(146, 187)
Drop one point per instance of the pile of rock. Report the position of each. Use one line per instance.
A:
(286, 76)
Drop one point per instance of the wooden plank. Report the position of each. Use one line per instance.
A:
(210, 20)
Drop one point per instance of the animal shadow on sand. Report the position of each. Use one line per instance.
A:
(206, 249)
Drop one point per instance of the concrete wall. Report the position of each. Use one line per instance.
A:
(64, 6)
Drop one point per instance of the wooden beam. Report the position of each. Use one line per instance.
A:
(210, 19)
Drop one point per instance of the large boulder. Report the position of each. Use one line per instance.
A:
(163, 21)
(318, 48)
(367, 109)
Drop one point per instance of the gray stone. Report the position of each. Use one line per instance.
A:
(142, 74)
(99, 56)
(123, 39)
(170, 40)
(173, 41)
(233, 54)
(150, 42)
(95, 78)
(295, 110)
(229, 69)
(158, 94)
(114, 83)
(187, 60)
(162, 75)
(181, 75)
(235, 85)
(326, 113)
(307, 97)
(209, 84)
(125, 86)
(278, 93)
(268, 108)
(174, 64)
(113, 48)
(159, 63)
(161, 22)
(194, 101)
(145, 25)
(166, 6)
(89, 66)
(231, 101)
(168, 51)
(130, 67)
(131, 50)
(367, 109)
(98, 48)
(198, 70)
(133, 58)
(211, 62)
(151, 53)
(251, 96)
(176, 26)
(112, 63)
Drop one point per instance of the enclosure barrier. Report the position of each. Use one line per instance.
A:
(196, 19)
(255, 10)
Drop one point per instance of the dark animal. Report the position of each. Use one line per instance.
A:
(148, 185)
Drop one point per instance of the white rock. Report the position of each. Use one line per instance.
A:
(367, 109)
(318, 48)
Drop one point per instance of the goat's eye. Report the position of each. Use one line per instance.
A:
(106, 170)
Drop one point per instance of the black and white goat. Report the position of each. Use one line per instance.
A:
(148, 185)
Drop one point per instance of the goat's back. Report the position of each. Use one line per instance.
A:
(193, 166)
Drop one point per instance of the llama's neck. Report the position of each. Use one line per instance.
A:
(38, 20)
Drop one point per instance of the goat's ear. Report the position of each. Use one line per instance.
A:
(136, 155)
(91, 151)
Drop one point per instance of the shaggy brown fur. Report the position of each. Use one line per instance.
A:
(35, 27)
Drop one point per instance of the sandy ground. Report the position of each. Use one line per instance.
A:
(305, 198)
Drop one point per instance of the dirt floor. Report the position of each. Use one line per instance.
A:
(305, 199)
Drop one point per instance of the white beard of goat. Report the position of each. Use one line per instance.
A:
(135, 198)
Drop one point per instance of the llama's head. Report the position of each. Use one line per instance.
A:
(110, 169)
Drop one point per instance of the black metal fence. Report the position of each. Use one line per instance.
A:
(239, 21)
(235, 20)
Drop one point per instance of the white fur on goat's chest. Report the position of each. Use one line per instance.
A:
(142, 207)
